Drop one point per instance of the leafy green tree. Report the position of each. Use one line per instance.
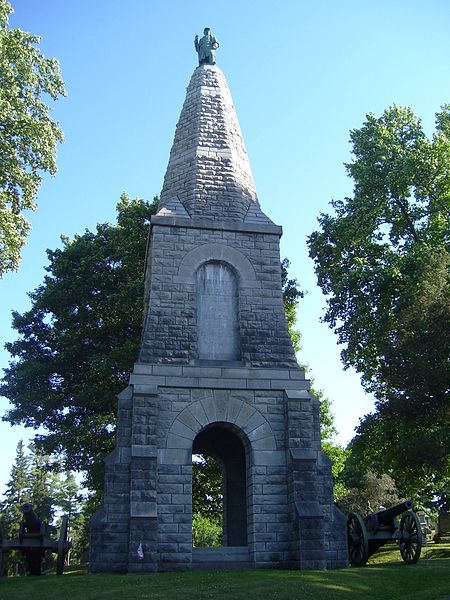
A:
(34, 479)
(335, 452)
(79, 340)
(383, 260)
(42, 484)
(15, 495)
(372, 492)
(291, 295)
(379, 446)
(205, 532)
(207, 494)
(207, 501)
(69, 502)
(90, 504)
(66, 495)
(28, 136)
(17, 492)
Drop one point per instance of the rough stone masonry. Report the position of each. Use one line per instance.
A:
(216, 374)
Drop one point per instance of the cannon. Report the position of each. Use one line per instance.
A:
(366, 536)
(33, 541)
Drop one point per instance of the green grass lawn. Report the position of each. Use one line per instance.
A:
(384, 578)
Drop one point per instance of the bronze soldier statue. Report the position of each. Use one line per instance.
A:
(206, 48)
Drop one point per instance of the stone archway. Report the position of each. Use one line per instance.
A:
(219, 253)
(225, 444)
(214, 406)
(246, 437)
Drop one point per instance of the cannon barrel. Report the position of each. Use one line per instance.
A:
(32, 521)
(385, 517)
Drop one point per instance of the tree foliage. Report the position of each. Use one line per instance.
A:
(371, 493)
(335, 452)
(206, 533)
(207, 493)
(34, 478)
(78, 342)
(28, 136)
(16, 493)
(383, 260)
(207, 501)
(291, 295)
(42, 484)
(403, 448)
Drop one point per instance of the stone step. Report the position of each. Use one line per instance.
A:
(222, 554)
(222, 566)
(222, 558)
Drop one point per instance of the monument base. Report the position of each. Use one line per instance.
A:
(261, 424)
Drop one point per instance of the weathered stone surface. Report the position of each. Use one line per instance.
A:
(241, 398)
(208, 170)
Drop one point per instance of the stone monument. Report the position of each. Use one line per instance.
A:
(216, 374)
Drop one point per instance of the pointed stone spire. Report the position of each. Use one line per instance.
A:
(209, 173)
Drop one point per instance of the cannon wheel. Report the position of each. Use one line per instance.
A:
(3, 553)
(411, 538)
(358, 543)
(62, 546)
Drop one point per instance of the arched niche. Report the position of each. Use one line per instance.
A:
(217, 312)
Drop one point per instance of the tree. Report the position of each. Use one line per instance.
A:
(79, 340)
(335, 452)
(28, 136)
(17, 492)
(401, 448)
(291, 296)
(42, 484)
(34, 479)
(69, 502)
(207, 494)
(383, 260)
(371, 493)
(207, 501)
(15, 495)
(205, 531)
(66, 495)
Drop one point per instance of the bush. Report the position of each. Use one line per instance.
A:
(205, 532)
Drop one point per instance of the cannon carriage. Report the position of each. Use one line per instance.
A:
(33, 541)
(366, 535)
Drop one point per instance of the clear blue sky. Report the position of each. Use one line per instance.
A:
(302, 75)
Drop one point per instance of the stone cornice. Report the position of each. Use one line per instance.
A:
(216, 224)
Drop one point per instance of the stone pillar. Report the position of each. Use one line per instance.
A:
(109, 527)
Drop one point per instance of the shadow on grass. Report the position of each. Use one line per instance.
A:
(428, 580)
